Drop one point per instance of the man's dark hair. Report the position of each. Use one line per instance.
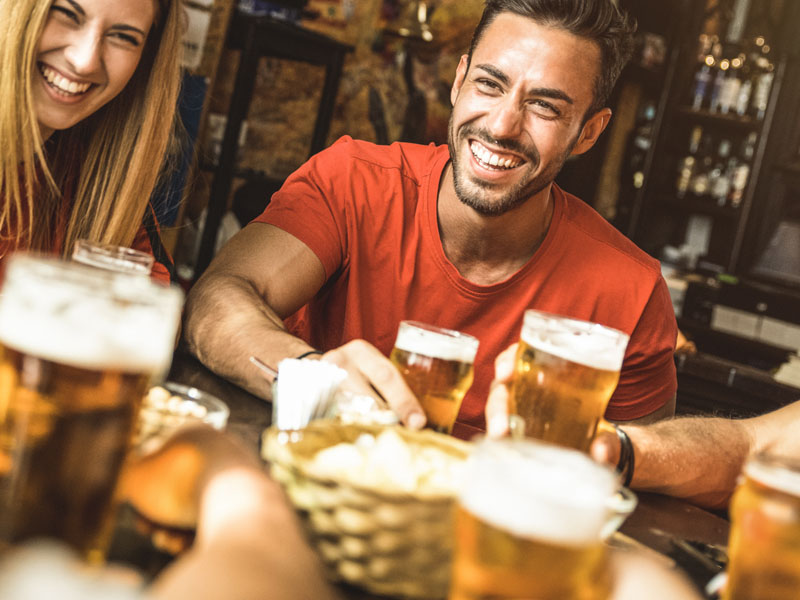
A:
(597, 20)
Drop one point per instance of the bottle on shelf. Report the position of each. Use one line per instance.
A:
(703, 75)
(742, 101)
(704, 162)
(731, 86)
(762, 79)
(686, 166)
(720, 75)
(639, 144)
(719, 178)
(741, 173)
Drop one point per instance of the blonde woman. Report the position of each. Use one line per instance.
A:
(88, 90)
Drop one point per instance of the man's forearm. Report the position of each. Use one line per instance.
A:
(227, 321)
(694, 458)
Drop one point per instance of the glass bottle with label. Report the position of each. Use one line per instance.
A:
(686, 165)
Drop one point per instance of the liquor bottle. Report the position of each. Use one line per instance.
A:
(765, 75)
(686, 165)
(704, 162)
(703, 75)
(719, 179)
(639, 144)
(722, 65)
(741, 173)
(731, 86)
(745, 91)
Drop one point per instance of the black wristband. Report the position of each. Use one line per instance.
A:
(627, 458)
(309, 353)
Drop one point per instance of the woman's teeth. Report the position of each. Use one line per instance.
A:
(62, 84)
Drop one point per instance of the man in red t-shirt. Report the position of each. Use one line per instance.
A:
(466, 236)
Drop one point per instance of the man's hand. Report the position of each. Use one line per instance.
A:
(371, 373)
(497, 404)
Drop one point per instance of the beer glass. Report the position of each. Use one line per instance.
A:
(530, 523)
(78, 349)
(764, 546)
(437, 365)
(565, 373)
(112, 258)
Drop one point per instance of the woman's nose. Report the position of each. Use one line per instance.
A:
(83, 53)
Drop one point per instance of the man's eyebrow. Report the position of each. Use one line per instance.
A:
(494, 72)
(552, 93)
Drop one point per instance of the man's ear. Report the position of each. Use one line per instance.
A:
(458, 81)
(592, 129)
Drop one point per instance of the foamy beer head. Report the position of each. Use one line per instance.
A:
(530, 523)
(87, 318)
(764, 546)
(78, 349)
(437, 365)
(112, 258)
(566, 371)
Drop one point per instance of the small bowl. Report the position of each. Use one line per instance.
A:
(168, 407)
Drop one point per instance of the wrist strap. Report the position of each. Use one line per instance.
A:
(627, 459)
(309, 353)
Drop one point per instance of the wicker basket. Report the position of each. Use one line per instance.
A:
(388, 543)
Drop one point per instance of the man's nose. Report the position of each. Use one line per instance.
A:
(505, 119)
(83, 53)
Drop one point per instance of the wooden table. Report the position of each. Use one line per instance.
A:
(656, 523)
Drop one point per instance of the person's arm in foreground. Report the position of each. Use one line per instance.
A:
(249, 542)
(236, 310)
(696, 458)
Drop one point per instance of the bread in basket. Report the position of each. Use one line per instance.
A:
(374, 524)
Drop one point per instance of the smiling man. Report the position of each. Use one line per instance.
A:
(466, 236)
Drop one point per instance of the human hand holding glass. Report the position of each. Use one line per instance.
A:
(563, 375)
(437, 364)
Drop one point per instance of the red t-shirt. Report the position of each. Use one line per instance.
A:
(369, 213)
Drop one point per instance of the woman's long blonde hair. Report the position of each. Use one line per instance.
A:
(111, 161)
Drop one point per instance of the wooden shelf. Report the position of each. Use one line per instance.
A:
(703, 206)
(718, 119)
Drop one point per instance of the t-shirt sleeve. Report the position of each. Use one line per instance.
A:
(648, 378)
(148, 239)
(311, 205)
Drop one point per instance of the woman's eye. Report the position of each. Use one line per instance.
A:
(127, 38)
(69, 13)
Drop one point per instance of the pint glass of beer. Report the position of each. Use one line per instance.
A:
(437, 365)
(565, 373)
(764, 546)
(78, 349)
(112, 258)
(530, 523)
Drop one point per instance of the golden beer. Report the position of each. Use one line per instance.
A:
(565, 373)
(78, 350)
(530, 524)
(764, 546)
(437, 364)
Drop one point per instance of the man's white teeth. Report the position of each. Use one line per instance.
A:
(63, 84)
(490, 158)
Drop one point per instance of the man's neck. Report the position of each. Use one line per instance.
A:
(489, 249)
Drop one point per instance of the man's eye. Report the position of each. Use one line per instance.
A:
(545, 108)
(488, 84)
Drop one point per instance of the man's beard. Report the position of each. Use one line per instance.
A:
(516, 195)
